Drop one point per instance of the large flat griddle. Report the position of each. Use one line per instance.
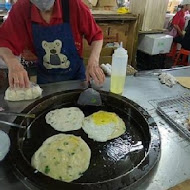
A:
(114, 165)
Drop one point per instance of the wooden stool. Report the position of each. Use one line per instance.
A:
(185, 53)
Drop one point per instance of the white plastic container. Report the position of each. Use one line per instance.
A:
(154, 44)
(119, 69)
(4, 144)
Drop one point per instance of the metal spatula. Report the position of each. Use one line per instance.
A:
(12, 124)
(90, 97)
(28, 115)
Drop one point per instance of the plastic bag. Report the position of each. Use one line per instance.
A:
(171, 30)
(167, 79)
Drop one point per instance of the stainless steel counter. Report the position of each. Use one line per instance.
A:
(173, 166)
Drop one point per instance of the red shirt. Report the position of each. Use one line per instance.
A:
(179, 19)
(16, 31)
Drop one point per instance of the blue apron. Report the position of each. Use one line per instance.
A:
(58, 58)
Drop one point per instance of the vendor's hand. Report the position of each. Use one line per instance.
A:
(95, 72)
(18, 76)
(183, 32)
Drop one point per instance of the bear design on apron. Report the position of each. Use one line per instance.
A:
(54, 59)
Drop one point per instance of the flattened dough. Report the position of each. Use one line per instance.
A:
(65, 119)
(18, 94)
(184, 81)
(62, 157)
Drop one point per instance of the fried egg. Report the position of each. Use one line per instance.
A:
(102, 126)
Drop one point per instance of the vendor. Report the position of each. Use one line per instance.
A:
(53, 30)
(179, 21)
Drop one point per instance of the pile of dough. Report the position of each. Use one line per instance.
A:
(18, 94)
(65, 119)
(184, 81)
(102, 126)
(62, 157)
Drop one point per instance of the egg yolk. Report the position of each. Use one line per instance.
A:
(102, 118)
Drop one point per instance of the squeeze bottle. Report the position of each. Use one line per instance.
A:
(119, 68)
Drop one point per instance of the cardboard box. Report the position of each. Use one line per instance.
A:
(112, 32)
(105, 55)
(115, 32)
(101, 4)
(105, 51)
(103, 59)
(107, 3)
(154, 44)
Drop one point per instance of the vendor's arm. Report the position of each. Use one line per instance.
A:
(94, 36)
(18, 76)
(176, 21)
(93, 69)
(178, 30)
(13, 39)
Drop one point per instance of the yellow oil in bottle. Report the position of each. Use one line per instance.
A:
(117, 84)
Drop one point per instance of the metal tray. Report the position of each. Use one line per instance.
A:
(177, 112)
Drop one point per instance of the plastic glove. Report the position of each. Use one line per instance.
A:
(167, 79)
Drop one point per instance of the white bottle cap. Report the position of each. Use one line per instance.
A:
(120, 51)
(4, 144)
